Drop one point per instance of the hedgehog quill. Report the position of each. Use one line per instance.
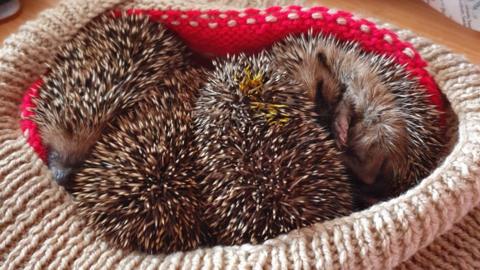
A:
(268, 168)
(381, 118)
(106, 68)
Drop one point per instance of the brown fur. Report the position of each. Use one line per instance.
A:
(381, 119)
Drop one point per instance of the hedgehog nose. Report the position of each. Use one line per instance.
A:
(61, 175)
(60, 172)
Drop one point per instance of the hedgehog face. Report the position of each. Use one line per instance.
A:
(66, 151)
(378, 115)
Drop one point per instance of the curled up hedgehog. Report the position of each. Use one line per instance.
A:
(382, 119)
(104, 70)
(267, 167)
(139, 186)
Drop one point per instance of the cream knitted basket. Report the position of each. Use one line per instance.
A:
(435, 225)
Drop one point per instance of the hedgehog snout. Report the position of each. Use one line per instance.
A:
(60, 168)
(61, 175)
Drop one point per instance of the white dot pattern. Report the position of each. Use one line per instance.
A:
(317, 15)
(341, 21)
(270, 18)
(388, 38)
(409, 52)
(293, 16)
(365, 28)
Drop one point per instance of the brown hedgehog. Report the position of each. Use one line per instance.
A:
(382, 119)
(106, 68)
(139, 186)
(268, 168)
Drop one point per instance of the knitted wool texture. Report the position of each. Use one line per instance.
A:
(434, 225)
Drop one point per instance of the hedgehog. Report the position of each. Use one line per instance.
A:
(104, 70)
(380, 117)
(266, 166)
(139, 186)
